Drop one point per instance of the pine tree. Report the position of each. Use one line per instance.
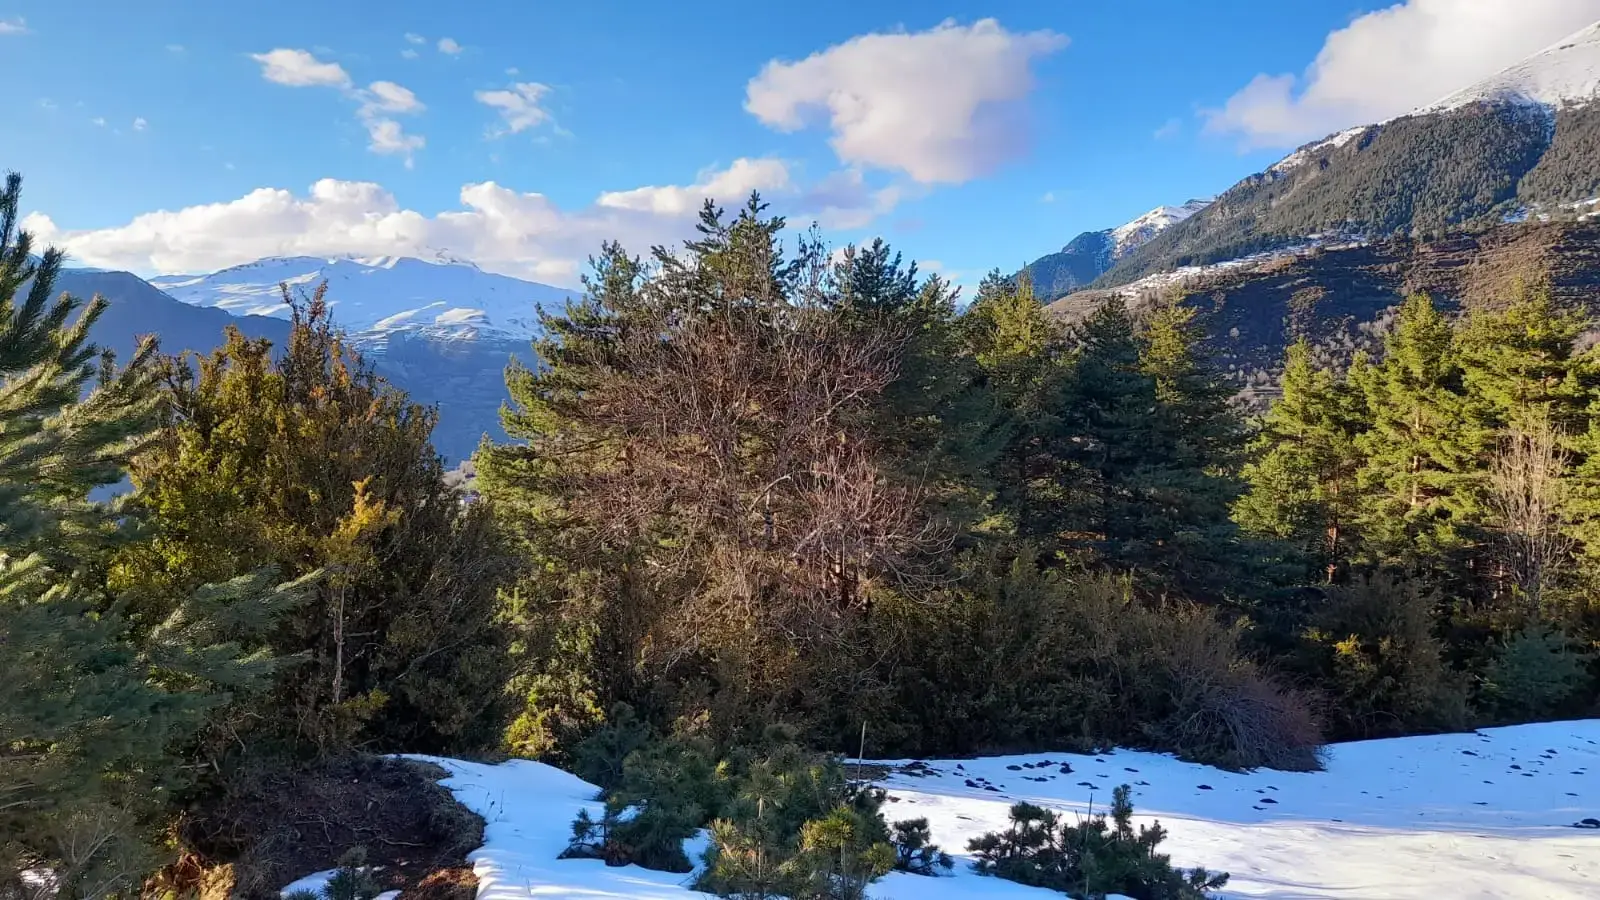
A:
(700, 479)
(1421, 478)
(1150, 443)
(937, 418)
(1520, 364)
(1302, 480)
(1020, 353)
(310, 464)
(92, 702)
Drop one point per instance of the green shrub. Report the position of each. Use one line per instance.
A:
(1536, 673)
(1372, 649)
(302, 894)
(915, 852)
(796, 827)
(1091, 859)
(354, 879)
(665, 792)
(599, 759)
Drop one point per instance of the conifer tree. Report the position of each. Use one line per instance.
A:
(700, 477)
(1020, 353)
(1151, 442)
(1520, 364)
(311, 464)
(937, 418)
(93, 703)
(1302, 481)
(1421, 478)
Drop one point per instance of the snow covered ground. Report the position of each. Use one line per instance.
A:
(1490, 814)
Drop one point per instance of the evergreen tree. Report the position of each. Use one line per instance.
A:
(1421, 479)
(1150, 443)
(92, 704)
(1020, 351)
(701, 482)
(309, 463)
(1520, 364)
(937, 417)
(1302, 480)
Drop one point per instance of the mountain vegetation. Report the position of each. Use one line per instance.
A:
(762, 504)
(1418, 176)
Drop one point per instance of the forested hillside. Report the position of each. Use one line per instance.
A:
(1341, 299)
(1418, 176)
(763, 503)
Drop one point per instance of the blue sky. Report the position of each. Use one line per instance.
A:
(981, 142)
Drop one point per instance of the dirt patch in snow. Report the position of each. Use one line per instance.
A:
(276, 825)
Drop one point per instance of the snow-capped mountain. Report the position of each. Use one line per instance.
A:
(1566, 73)
(1091, 254)
(1128, 237)
(374, 298)
(1515, 147)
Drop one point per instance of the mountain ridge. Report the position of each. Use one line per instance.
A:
(444, 298)
(1090, 254)
(1521, 144)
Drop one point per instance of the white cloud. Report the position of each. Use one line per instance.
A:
(388, 137)
(412, 38)
(449, 45)
(47, 103)
(513, 71)
(523, 234)
(845, 200)
(14, 25)
(381, 100)
(175, 48)
(298, 68)
(386, 96)
(139, 123)
(1169, 129)
(727, 187)
(1386, 63)
(1047, 197)
(518, 106)
(99, 121)
(378, 102)
(943, 105)
(408, 53)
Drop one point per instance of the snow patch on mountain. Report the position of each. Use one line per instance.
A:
(1129, 237)
(1565, 73)
(376, 297)
(1304, 153)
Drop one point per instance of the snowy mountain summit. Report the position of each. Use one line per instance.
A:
(1566, 73)
(443, 298)
(1128, 237)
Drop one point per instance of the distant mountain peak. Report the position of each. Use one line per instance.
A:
(440, 296)
(1567, 73)
(1129, 236)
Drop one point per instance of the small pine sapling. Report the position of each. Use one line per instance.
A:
(915, 852)
(354, 880)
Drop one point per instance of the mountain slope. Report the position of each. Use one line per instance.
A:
(465, 379)
(1522, 143)
(1567, 71)
(443, 299)
(1339, 296)
(137, 308)
(1090, 254)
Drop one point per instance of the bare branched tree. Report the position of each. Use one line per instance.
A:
(1526, 501)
